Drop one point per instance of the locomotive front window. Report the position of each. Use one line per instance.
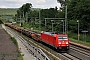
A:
(62, 38)
(65, 38)
(59, 38)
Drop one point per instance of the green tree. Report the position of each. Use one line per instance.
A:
(80, 10)
(26, 7)
(22, 10)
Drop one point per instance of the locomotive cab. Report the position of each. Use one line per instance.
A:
(63, 41)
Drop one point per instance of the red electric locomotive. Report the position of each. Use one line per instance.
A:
(59, 41)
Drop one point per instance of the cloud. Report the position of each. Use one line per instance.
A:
(48, 4)
(40, 1)
(3, 7)
(16, 1)
(35, 3)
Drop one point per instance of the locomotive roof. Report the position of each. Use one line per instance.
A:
(52, 33)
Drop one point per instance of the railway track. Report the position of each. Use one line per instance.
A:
(68, 56)
(81, 51)
(75, 52)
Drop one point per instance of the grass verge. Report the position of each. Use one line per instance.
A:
(79, 41)
(14, 41)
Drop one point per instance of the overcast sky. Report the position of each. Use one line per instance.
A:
(35, 3)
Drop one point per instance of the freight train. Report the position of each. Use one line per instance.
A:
(56, 40)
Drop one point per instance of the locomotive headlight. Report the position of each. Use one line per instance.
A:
(59, 42)
(66, 42)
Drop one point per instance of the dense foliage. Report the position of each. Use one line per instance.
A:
(76, 10)
(33, 16)
(80, 10)
(22, 11)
